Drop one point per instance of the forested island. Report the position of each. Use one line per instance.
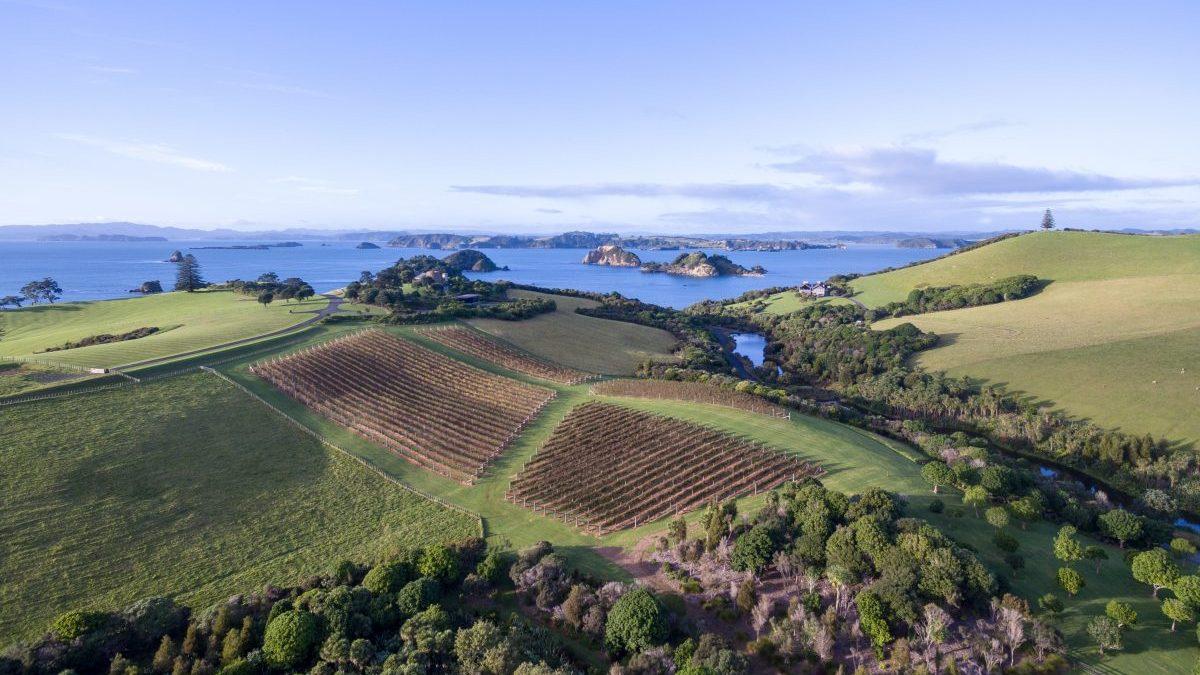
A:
(595, 240)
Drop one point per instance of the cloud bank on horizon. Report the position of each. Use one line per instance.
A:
(687, 117)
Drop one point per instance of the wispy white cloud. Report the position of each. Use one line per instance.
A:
(149, 152)
(112, 70)
(921, 171)
(959, 129)
(753, 192)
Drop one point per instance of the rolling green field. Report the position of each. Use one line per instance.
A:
(787, 302)
(184, 487)
(855, 460)
(195, 321)
(582, 342)
(1112, 338)
(1060, 256)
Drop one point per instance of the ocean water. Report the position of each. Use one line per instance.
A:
(102, 270)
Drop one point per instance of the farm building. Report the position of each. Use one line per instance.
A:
(816, 290)
(432, 277)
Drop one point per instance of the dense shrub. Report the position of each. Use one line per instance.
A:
(291, 638)
(637, 622)
(940, 298)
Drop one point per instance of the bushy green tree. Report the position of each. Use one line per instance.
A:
(1121, 525)
(417, 595)
(937, 474)
(997, 517)
(872, 619)
(1027, 509)
(1187, 589)
(1154, 568)
(76, 623)
(1050, 603)
(1105, 632)
(438, 562)
(636, 622)
(290, 639)
(1071, 581)
(1121, 612)
(1182, 548)
(389, 577)
(753, 550)
(975, 497)
(1177, 610)
(1066, 547)
(1096, 554)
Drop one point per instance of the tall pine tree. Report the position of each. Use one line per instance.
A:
(1048, 220)
(188, 277)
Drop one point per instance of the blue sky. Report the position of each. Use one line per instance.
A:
(616, 116)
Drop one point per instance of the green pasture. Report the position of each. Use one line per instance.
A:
(582, 342)
(786, 302)
(184, 487)
(190, 321)
(1119, 350)
(1060, 256)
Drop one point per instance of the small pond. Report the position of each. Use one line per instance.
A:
(750, 345)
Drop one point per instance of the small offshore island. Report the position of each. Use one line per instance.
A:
(695, 264)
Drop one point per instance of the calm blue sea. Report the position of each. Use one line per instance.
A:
(100, 270)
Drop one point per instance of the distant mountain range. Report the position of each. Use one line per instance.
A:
(766, 241)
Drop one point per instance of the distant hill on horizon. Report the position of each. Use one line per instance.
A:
(128, 231)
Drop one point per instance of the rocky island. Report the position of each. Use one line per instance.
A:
(470, 261)
(613, 256)
(700, 264)
(367, 245)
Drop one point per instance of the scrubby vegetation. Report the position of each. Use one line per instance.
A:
(423, 289)
(105, 338)
(939, 298)
(822, 578)
(292, 288)
(420, 611)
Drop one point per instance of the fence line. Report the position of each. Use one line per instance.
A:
(361, 460)
(131, 379)
(29, 398)
(44, 362)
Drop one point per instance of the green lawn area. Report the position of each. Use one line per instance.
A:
(787, 302)
(1120, 350)
(1061, 256)
(190, 321)
(184, 487)
(582, 342)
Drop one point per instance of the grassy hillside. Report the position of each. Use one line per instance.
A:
(182, 487)
(188, 320)
(1060, 256)
(855, 460)
(1112, 338)
(582, 342)
(788, 302)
